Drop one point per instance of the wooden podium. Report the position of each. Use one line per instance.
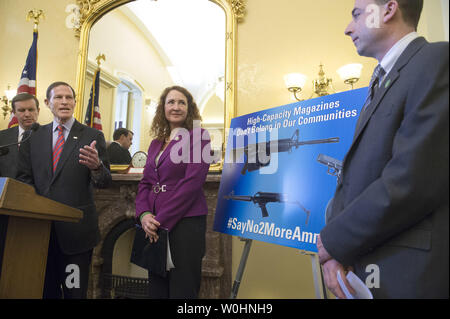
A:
(26, 245)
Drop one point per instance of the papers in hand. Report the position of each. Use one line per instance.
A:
(361, 290)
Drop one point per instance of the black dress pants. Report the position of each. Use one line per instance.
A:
(66, 276)
(187, 246)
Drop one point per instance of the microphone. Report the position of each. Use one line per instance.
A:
(4, 149)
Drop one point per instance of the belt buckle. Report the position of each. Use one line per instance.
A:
(157, 188)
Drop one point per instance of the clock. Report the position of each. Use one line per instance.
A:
(139, 159)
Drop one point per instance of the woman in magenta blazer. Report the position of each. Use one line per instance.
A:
(170, 197)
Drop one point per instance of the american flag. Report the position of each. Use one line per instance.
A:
(27, 81)
(93, 118)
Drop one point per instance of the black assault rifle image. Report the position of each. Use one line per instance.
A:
(334, 165)
(258, 155)
(262, 198)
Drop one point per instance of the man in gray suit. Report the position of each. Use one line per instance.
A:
(389, 220)
(25, 108)
(64, 160)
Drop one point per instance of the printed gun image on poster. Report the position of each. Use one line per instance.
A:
(334, 165)
(263, 198)
(258, 155)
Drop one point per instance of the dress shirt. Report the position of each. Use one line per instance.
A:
(67, 127)
(21, 131)
(388, 61)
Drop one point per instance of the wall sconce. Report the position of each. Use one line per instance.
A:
(350, 73)
(322, 85)
(6, 99)
(295, 83)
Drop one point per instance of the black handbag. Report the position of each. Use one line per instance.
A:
(151, 256)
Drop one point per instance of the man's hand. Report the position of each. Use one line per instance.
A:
(330, 270)
(89, 156)
(324, 256)
(150, 225)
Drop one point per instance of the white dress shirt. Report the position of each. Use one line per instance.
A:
(394, 53)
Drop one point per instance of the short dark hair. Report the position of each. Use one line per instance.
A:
(121, 131)
(55, 84)
(411, 10)
(24, 97)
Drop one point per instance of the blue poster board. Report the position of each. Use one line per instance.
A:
(275, 183)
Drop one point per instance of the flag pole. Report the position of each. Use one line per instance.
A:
(36, 15)
(98, 58)
(27, 82)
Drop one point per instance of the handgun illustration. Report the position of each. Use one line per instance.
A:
(263, 198)
(258, 155)
(334, 165)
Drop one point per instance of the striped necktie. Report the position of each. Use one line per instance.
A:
(58, 147)
(377, 75)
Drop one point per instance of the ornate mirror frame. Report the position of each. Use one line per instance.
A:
(92, 10)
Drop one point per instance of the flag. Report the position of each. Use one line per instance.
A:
(13, 121)
(93, 118)
(27, 81)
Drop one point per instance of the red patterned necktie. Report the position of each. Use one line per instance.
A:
(58, 147)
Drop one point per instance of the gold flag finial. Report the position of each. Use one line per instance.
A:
(36, 15)
(100, 57)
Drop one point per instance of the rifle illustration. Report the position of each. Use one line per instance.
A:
(334, 165)
(263, 198)
(258, 155)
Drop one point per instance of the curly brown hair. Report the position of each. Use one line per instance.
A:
(160, 128)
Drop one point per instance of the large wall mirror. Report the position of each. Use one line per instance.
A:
(150, 45)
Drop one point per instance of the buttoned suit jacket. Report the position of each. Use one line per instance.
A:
(71, 184)
(184, 173)
(390, 211)
(117, 154)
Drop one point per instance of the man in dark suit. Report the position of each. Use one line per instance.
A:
(64, 160)
(389, 220)
(25, 108)
(118, 150)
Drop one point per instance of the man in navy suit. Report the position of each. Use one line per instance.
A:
(64, 160)
(25, 108)
(389, 219)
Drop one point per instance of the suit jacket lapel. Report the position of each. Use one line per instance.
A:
(165, 152)
(12, 138)
(69, 145)
(390, 79)
(47, 147)
(153, 152)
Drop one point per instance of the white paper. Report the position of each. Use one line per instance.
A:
(361, 290)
